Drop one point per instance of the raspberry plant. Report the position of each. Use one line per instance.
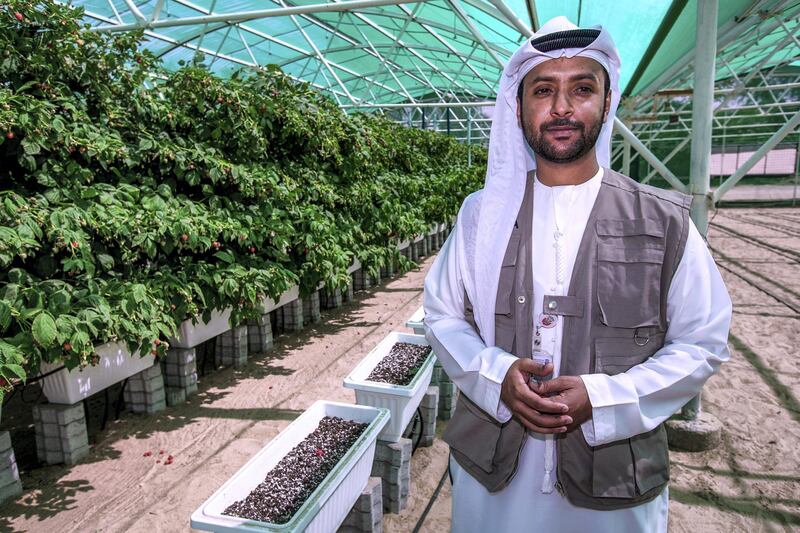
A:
(133, 198)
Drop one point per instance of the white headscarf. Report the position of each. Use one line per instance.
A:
(510, 158)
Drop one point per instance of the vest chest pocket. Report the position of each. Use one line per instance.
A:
(629, 285)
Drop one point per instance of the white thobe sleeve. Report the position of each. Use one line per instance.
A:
(698, 318)
(477, 370)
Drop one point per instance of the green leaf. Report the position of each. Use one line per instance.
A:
(139, 293)
(31, 147)
(224, 256)
(44, 329)
(105, 260)
(17, 370)
(5, 315)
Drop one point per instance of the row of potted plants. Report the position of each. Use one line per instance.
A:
(291, 475)
(134, 199)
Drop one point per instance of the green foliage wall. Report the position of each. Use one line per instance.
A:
(133, 198)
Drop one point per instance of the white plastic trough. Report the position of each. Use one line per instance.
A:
(402, 401)
(267, 305)
(116, 363)
(330, 502)
(416, 321)
(354, 266)
(191, 335)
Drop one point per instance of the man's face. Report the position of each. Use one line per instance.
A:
(563, 108)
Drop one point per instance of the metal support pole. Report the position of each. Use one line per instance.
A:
(648, 156)
(742, 171)
(447, 110)
(626, 158)
(796, 172)
(469, 142)
(423, 118)
(702, 111)
(702, 123)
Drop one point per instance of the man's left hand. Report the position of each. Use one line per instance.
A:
(571, 391)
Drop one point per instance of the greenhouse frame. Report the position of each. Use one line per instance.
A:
(247, 270)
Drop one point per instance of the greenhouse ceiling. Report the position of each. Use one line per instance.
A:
(385, 51)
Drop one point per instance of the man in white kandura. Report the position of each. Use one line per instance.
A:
(575, 309)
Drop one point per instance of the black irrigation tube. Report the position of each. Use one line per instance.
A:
(784, 252)
(775, 227)
(432, 500)
(756, 286)
(783, 216)
(756, 273)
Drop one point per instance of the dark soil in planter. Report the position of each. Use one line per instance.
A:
(401, 364)
(289, 484)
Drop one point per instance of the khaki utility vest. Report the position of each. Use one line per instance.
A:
(614, 318)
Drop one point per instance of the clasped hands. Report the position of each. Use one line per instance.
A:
(555, 406)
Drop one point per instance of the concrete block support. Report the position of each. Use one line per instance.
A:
(389, 270)
(393, 465)
(60, 430)
(414, 251)
(10, 485)
(447, 400)
(702, 433)
(347, 294)
(145, 392)
(367, 514)
(259, 335)
(180, 373)
(331, 299)
(311, 313)
(231, 347)
(293, 316)
(362, 279)
(428, 407)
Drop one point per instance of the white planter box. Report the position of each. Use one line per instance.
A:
(268, 305)
(415, 322)
(434, 229)
(402, 401)
(191, 335)
(419, 238)
(403, 245)
(116, 364)
(330, 502)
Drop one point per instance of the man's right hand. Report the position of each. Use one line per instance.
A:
(535, 412)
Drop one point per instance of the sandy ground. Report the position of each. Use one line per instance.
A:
(750, 483)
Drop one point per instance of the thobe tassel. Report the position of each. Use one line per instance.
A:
(547, 485)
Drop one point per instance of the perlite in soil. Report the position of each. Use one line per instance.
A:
(290, 482)
(401, 364)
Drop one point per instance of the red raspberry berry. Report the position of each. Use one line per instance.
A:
(19, 16)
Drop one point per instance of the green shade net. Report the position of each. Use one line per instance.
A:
(426, 50)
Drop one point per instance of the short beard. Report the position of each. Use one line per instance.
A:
(573, 152)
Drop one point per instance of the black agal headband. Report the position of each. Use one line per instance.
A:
(580, 38)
